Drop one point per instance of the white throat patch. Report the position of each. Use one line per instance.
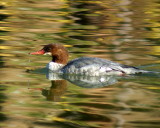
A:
(47, 53)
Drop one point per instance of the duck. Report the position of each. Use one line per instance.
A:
(89, 66)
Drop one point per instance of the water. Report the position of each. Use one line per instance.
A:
(125, 31)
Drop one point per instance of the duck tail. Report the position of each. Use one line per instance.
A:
(147, 72)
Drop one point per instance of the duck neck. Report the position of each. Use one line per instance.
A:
(61, 59)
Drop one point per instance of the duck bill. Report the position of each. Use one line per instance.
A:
(40, 52)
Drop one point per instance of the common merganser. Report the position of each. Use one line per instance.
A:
(90, 66)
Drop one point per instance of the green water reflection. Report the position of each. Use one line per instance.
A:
(125, 31)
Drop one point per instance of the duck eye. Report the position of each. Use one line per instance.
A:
(47, 49)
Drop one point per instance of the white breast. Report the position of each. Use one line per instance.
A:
(54, 66)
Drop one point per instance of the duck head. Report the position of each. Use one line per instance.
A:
(58, 52)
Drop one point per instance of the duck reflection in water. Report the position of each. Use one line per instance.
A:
(59, 83)
(57, 89)
(83, 80)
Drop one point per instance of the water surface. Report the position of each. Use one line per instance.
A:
(125, 31)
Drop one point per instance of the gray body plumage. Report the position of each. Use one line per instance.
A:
(97, 66)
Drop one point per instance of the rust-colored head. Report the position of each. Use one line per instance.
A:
(58, 52)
